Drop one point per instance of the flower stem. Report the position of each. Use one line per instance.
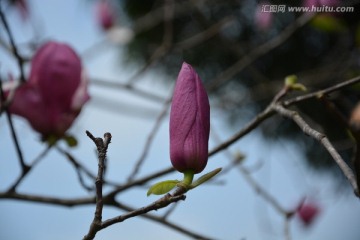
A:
(188, 177)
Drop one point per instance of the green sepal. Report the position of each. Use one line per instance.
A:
(162, 187)
(71, 141)
(205, 178)
(51, 140)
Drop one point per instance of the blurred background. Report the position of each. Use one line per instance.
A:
(242, 50)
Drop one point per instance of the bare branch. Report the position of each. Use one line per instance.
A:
(161, 203)
(130, 88)
(293, 115)
(24, 167)
(255, 122)
(322, 92)
(46, 199)
(164, 222)
(102, 146)
(79, 169)
(19, 58)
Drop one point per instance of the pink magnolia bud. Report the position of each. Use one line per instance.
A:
(307, 212)
(104, 14)
(263, 16)
(55, 92)
(189, 122)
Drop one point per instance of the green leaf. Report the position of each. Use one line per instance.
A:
(205, 178)
(71, 141)
(162, 187)
(298, 87)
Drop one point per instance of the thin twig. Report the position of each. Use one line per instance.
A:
(28, 169)
(255, 122)
(47, 199)
(79, 169)
(156, 16)
(19, 58)
(149, 140)
(201, 37)
(165, 46)
(167, 223)
(102, 146)
(236, 161)
(161, 203)
(169, 211)
(24, 167)
(91, 200)
(293, 115)
(97, 223)
(322, 92)
(130, 88)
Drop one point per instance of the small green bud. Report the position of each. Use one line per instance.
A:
(291, 83)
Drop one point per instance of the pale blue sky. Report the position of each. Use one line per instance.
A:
(230, 211)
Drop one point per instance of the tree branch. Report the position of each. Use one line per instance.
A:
(322, 92)
(102, 146)
(293, 115)
(20, 60)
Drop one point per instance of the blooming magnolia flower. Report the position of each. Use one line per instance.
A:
(189, 122)
(56, 90)
(105, 15)
(307, 212)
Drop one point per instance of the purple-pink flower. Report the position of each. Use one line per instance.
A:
(189, 122)
(307, 212)
(56, 90)
(105, 14)
(263, 16)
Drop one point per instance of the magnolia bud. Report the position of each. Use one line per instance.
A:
(53, 96)
(263, 16)
(105, 15)
(189, 122)
(307, 212)
(56, 70)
